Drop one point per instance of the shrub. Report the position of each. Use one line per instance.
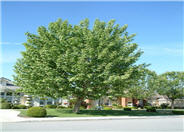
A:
(2, 100)
(51, 106)
(5, 105)
(114, 105)
(72, 103)
(22, 106)
(71, 106)
(29, 99)
(99, 107)
(29, 106)
(178, 112)
(164, 105)
(134, 108)
(158, 107)
(169, 107)
(29, 103)
(19, 106)
(14, 107)
(147, 104)
(119, 107)
(107, 108)
(82, 108)
(36, 112)
(127, 109)
(62, 107)
(178, 107)
(84, 105)
(150, 109)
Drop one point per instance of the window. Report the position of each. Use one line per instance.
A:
(9, 99)
(49, 102)
(2, 93)
(9, 94)
(42, 102)
(18, 94)
(8, 84)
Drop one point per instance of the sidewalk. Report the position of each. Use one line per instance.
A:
(12, 116)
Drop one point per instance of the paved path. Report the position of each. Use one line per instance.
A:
(12, 116)
(9, 116)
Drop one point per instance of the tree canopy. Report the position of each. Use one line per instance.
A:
(171, 84)
(85, 63)
(144, 86)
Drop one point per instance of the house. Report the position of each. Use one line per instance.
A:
(7, 89)
(122, 101)
(9, 92)
(157, 100)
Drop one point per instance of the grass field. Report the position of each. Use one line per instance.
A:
(95, 113)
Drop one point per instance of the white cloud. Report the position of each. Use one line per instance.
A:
(11, 58)
(10, 53)
(174, 51)
(160, 50)
(10, 43)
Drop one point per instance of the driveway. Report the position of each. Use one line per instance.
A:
(9, 115)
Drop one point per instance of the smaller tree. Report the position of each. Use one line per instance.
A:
(143, 87)
(171, 84)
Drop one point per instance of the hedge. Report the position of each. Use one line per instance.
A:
(61, 107)
(36, 112)
(127, 109)
(118, 107)
(164, 105)
(107, 108)
(19, 106)
(178, 112)
(150, 109)
(2, 100)
(51, 106)
(5, 105)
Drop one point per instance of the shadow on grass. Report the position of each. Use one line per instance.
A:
(92, 113)
(122, 113)
(113, 113)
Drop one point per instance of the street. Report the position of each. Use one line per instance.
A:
(171, 124)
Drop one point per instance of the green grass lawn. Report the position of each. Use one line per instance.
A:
(95, 113)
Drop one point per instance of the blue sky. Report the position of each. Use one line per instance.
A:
(158, 26)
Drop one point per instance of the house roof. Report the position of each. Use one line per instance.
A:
(158, 96)
(7, 85)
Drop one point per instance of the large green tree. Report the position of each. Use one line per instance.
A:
(83, 62)
(171, 84)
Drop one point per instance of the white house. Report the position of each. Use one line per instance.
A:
(8, 92)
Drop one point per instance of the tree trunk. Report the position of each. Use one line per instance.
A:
(77, 105)
(172, 103)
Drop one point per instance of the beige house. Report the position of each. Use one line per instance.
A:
(157, 100)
